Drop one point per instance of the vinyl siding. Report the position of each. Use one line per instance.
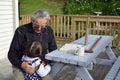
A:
(7, 25)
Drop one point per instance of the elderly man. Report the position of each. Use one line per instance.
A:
(25, 34)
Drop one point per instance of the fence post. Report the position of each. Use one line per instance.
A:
(73, 28)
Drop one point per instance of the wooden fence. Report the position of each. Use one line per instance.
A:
(70, 27)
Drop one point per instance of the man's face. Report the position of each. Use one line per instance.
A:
(39, 24)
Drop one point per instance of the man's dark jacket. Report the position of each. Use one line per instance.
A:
(23, 36)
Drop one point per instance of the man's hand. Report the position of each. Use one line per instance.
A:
(28, 67)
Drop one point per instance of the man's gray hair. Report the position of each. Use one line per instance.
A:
(41, 13)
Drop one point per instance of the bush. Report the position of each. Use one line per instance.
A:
(88, 7)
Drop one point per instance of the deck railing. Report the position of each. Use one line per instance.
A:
(70, 27)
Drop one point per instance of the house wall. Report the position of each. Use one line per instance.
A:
(8, 23)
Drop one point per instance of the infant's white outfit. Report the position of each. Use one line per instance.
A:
(42, 70)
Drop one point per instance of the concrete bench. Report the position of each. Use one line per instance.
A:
(114, 73)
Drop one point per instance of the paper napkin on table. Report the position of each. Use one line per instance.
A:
(70, 48)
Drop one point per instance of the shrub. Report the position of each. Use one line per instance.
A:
(88, 7)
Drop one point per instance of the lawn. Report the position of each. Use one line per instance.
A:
(28, 6)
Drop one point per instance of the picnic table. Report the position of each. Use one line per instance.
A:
(83, 63)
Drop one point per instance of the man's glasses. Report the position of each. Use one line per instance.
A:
(37, 26)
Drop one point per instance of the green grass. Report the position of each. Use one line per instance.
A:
(29, 6)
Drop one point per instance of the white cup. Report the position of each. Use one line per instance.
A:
(80, 51)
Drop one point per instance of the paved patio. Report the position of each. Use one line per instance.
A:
(5, 70)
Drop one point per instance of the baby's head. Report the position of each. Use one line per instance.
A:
(34, 49)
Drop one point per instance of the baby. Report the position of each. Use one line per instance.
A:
(34, 55)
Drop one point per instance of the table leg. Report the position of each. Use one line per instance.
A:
(111, 54)
(56, 67)
(82, 74)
